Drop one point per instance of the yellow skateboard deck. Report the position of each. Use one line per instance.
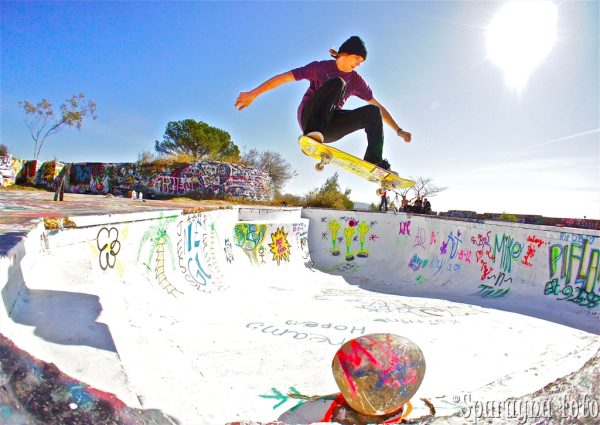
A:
(326, 154)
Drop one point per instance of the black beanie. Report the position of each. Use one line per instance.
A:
(354, 46)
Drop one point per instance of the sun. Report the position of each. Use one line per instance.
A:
(519, 38)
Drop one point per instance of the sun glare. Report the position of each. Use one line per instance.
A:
(520, 37)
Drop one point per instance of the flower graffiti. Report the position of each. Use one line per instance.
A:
(109, 246)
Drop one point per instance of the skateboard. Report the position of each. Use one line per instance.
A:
(326, 154)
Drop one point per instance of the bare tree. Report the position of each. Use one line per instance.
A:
(424, 187)
(42, 121)
(278, 168)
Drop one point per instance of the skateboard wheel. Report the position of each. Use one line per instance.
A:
(319, 166)
(380, 191)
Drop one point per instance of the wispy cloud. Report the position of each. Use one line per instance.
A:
(550, 142)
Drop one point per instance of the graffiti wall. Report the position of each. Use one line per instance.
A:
(215, 178)
(47, 174)
(210, 177)
(14, 170)
(11, 170)
(183, 254)
(7, 173)
(545, 272)
(243, 289)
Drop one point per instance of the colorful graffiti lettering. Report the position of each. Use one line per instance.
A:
(443, 264)
(531, 249)
(176, 185)
(485, 270)
(272, 330)
(197, 248)
(571, 293)
(486, 291)
(195, 237)
(420, 238)
(482, 241)
(329, 325)
(510, 250)
(433, 239)
(453, 242)
(577, 266)
(464, 256)
(280, 247)
(404, 228)
(575, 261)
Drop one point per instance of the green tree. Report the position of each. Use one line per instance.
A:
(43, 122)
(511, 218)
(330, 196)
(198, 140)
(3, 150)
(288, 199)
(278, 168)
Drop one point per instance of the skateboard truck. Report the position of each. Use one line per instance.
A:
(325, 159)
(385, 186)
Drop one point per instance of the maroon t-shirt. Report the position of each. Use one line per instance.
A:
(319, 72)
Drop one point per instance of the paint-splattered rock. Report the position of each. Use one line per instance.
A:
(378, 373)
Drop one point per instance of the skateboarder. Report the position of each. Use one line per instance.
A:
(332, 82)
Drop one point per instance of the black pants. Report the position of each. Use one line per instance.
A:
(322, 114)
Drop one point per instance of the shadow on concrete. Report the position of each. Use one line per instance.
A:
(517, 306)
(67, 318)
(9, 240)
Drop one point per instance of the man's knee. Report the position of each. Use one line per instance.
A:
(373, 111)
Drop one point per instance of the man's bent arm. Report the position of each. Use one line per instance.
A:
(387, 118)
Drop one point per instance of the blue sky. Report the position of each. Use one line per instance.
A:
(532, 151)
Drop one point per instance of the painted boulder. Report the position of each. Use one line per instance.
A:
(378, 373)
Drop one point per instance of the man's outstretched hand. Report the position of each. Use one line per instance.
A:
(405, 135)
(244, 100)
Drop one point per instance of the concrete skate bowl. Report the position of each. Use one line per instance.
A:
(214, 317)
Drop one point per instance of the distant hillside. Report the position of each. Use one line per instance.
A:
(362, 206)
